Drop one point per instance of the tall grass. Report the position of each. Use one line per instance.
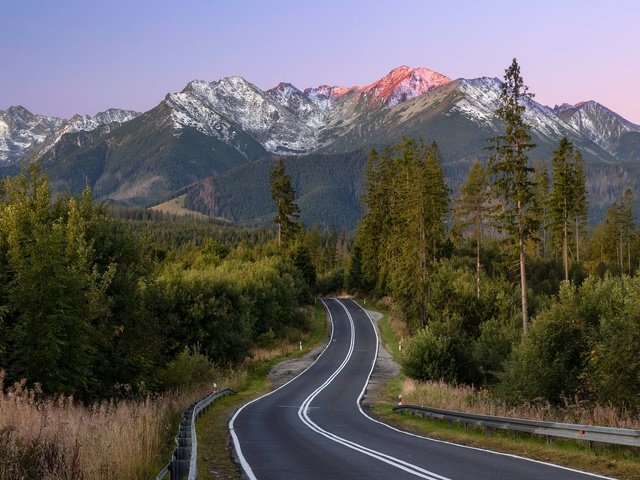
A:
(469, 399)
(44, 438)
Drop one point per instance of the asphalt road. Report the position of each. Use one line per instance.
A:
(314, 428)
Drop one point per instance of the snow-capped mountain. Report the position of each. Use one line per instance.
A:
(22, 132)
(87, 122)
(599, 124)
(219, 108)
(404, 83)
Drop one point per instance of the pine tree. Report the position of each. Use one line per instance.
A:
(472, 210)
(580, 205)
(540, 208)
(287, 211)
(627, 229)
(568, 198)
(509, 166)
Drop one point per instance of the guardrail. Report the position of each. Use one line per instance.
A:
(590, 433)
(184, 460)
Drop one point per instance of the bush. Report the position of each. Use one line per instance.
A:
(440, 351)
(549, 361)
(188, 369)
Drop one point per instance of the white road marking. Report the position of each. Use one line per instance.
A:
(303, 413)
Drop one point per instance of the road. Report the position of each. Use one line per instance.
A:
(314, 428)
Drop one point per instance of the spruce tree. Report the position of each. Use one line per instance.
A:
(568, 197)
(627, 229)
(287, 211)
(472, 209)
(509, 166)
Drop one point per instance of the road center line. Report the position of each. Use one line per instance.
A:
(304, 417)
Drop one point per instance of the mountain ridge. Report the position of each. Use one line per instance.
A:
(210, 128)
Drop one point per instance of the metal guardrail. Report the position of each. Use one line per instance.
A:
(184, 460)
(590, 433)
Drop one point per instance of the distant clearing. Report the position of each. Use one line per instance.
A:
(175, 206)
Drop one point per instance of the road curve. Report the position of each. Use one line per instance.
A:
(314, 428)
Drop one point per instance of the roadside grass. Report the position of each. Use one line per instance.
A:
(214, 447)
(609, 460)
(54, 438)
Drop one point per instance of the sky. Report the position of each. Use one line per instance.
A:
(62, 57)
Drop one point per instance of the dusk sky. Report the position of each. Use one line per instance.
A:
(61, 57)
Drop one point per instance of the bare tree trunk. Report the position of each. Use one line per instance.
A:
(478, 267)
(523, 287)
(577, 233)
(523, 270)
(565, 243)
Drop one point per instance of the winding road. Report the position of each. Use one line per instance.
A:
(314, 427)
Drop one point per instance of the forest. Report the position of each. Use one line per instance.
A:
(98, 302)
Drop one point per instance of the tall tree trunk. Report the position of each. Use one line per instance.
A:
(565, 242)
(523, 270)
(577, 233)
(478, 267)
(523, 287)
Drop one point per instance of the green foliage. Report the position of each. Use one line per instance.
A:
(439, 352)
(615, 358)
(403, 232)
(287, 211)
(86, 311)
(568, 203)
(549, 360)
(584, 345)
(70, 286)
(189, 368)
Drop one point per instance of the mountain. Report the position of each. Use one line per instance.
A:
(22, 132)
(213, 142)
(605, 128)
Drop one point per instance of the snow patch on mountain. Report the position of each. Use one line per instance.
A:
(482, 99)
(298, 103)
(20, 130)
(599, 124)
(205, 105)
(324, 95)
(88, 122)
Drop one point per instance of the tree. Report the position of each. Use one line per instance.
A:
(627, 228)
(509, 166)
(472, 209)
(540, 208)
(287, 211)
(568, 196)
(580, 205)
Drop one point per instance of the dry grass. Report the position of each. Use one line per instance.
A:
(281, 350)
(60, 439)
(468, 399)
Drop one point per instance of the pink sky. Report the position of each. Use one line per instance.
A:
(61, 58)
